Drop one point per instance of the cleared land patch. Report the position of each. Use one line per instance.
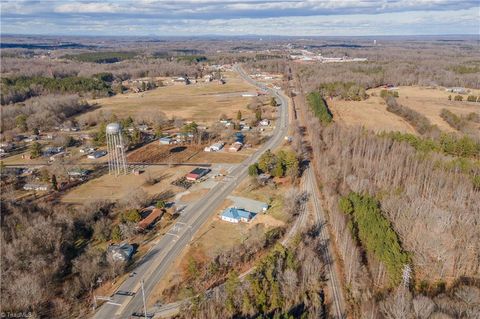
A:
(170, 154)
(109, 187)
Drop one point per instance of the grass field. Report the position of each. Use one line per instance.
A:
(202, 102)
(372, 113)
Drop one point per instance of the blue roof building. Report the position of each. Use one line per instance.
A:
(236, 215)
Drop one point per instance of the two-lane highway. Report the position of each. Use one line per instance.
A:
(154, 265)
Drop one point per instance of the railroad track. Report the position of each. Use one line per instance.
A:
(337, 298)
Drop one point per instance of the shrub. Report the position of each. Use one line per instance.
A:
(160, 204)
(386, 93)
(131, 215)
(458, 98)
(35, 150)
(116, 234)
(253, 170)
(471, 98)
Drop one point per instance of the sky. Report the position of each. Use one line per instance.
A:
(236, 17)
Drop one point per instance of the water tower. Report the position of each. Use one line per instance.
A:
(117, 164)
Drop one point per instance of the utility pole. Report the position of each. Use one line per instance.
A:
(144, 305)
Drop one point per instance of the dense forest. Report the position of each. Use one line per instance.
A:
(42, 113)
(53, 255)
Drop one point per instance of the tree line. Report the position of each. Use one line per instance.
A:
(101, 57)
(419, 121)
(319, 107)
(21, 88)
(447, 143)
(376, 234)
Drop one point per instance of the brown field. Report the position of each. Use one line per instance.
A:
(372, 113)
(156, 153)
(203, 102)
(110, 187)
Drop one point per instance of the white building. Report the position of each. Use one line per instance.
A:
(214, 147)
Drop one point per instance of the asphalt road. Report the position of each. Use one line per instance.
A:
(154, 265)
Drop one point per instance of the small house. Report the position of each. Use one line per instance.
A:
(121, 252)
(78, 172)
(235, 147)
(97, 154)
(151, 219)
(31, 138)
(458, 90)
(87, 150)
(49, 151)
(57, 155)
(236, 215)
(165, 141)
(197, 173)
(214, 147)
(143, 128)
(86, 137)
(35, 187)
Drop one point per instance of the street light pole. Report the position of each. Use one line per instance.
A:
(144, 305)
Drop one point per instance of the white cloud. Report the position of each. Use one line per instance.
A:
(79, 7)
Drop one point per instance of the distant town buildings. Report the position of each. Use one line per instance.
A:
(304, 55)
